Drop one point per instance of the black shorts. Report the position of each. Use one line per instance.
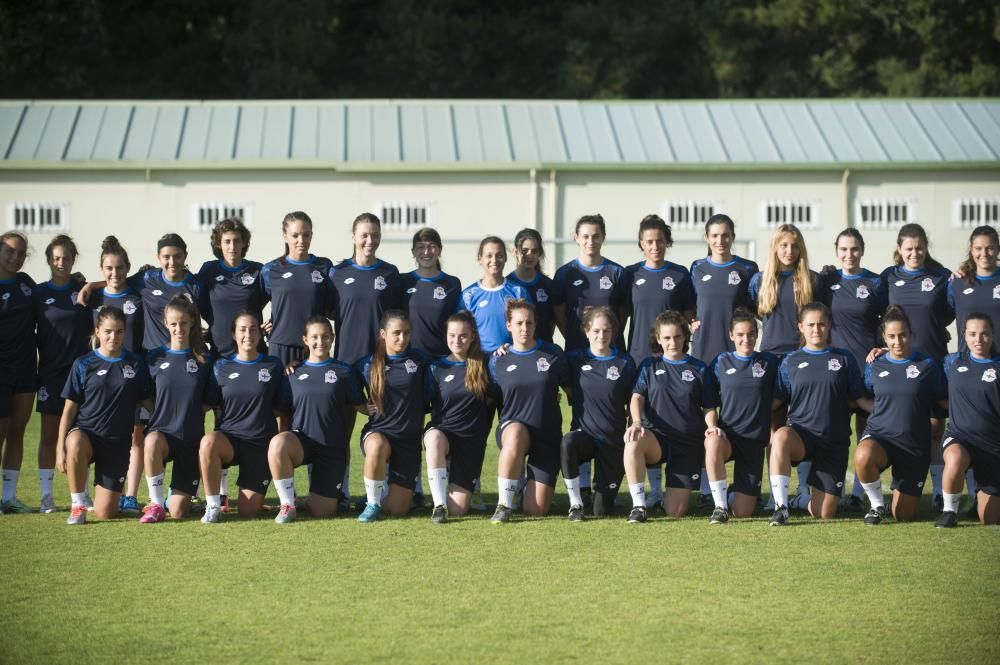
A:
(608, 458)
(543, 454)
(685, 459)
(15, 381)
(748, 457)
(287, 354)
(829, 463)
(110, 458)
(465, 458)
(50, 386)
(251, 456)
(909, 471)
(186, 471)
(985, 464)
(404, 458)
(328, 466)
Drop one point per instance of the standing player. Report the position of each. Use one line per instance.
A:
(390, 441)
(429, 294)
(673, 401)
(323, 390)
(529, 377)
(102, 392)
(819, 383)
(63, 335)
(905, 385)
(232, 283)
(854, 296)
(920, 285)
(971, 437)
(249, 388)
(602, 384)
(180, 372)
(462, 398)
(530, 254)
(18, 379)
(746, 380)
(487, 298)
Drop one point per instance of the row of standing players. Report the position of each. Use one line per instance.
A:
(299, 285)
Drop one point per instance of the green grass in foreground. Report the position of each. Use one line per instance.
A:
(470, 592)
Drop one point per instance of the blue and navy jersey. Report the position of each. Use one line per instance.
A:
(489, 308)
(855, 302)
(63, 332)
(17, 323)
(454, 409)
(651, 291)
(923, 294)
(974, 400)
(529, 384)
(578, 287)
(297, 290)
(107, 391)
(780, 334)
(817, 386)
(229, 291)
(322, 394)
(904, 390)
(363, 294)
(540, 293)
(248, 392)
(982, 296)
(601, 390)
(405, 396)
(181, 383)
(746, 386)
(156, 291)
(719, 289)
(129, 303)
(676, 393)
(430, 301)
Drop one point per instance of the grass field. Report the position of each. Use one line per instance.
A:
(536, 590)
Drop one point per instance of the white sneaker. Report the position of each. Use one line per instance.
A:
(48, 505)
(213, 515)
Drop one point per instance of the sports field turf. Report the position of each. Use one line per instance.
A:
(536, 590)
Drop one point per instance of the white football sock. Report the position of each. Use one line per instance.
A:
(779, 489)
(10, 477)
(573, 489)
(78, 498)
(951, 501)
(286, 490)
(438, 480)
(638, 492)
(45, 478)
(506, 488)
(213, 500)
(373, 491)
(873, 491)
(718, 489)
(155, 486)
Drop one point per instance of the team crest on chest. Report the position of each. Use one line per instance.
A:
(316, 276)
(668, 283)
(330, 376)
(129, 307)
(990, 375)
(834, 365)
(687, 375)
(605, 283)
(541, 295)
(191, 366)
(912, 372)
(439, 293)
(247, 279)
(862, 291)
(543, 365)
(128, 371)
(734, 278)
(927, 284)
(264, 375)
(758, 370)
(411, 367)
(613, 374)
(996, 292)
(380, 283)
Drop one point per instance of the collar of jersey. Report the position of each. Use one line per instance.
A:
(322, 364)
(843, 275)
(918, 271)
(107, 359)
(377, 263)
(591, 354)
(453, 363)
(666, 264)
(594, 269)
(908, 359)
(514, 278)
(300, 263)
(722, 265)
(996, 273)
(524, 353)
(8, 281)
(675, 362)
(405, 354)
(491, 289)
(222, 264)
(124, 293)
(436, 278)
(166, 281)
(982, 361)
(786, 273)
(247, 362)
(815, 353)
(739, 357)
(67, 287)
(176, 352)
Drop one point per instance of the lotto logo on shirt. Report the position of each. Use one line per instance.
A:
(834, 365)
(157, 292)
(380, 283)
(49, 301)
(303, 377)
(543, 365)
(734, 278)
(912, 372)
(330, 377)
(927, 284)
(668, 283)
(449, 378)
(605, 283)
(220, 278)
(862, 292)
(264, 375)
(613, 374)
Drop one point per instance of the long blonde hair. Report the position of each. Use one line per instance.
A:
(767, 298)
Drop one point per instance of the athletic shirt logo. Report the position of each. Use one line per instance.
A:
(25, 289)
(990, 375)
(264, 375)
(102, 372)
(884, 373)
(286, 275)
(303, 377)
(912, 372)
(330, 377)
(758, 370)
(412, 289)
(835, 287)
(247, 280)
(43, 394)
(927, 284)
(706, 278)
(380, 283)
(803, 365)
(316, 276)
(578, 282)
(586, 368)
(668, 283)
(439, 293)
(660, 371)
(687, 375)
(996, 292)
(862, 292)
(541, 295)
(543, 365)
(970, 290)
(164, 365)
(511, 368)
(449, 378)
(129, 307)
(605, 283)
(411, 367)
(349, 280)
(834, 365)
(220, 278)
(613, 374)
(900, 282)
(962, 369)
(483, 303)
(128, 371)
(640, 281)
(734, 278)
(234, 375)
(157, 292)
(49, 301)
(731, 371)
(191, 366)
